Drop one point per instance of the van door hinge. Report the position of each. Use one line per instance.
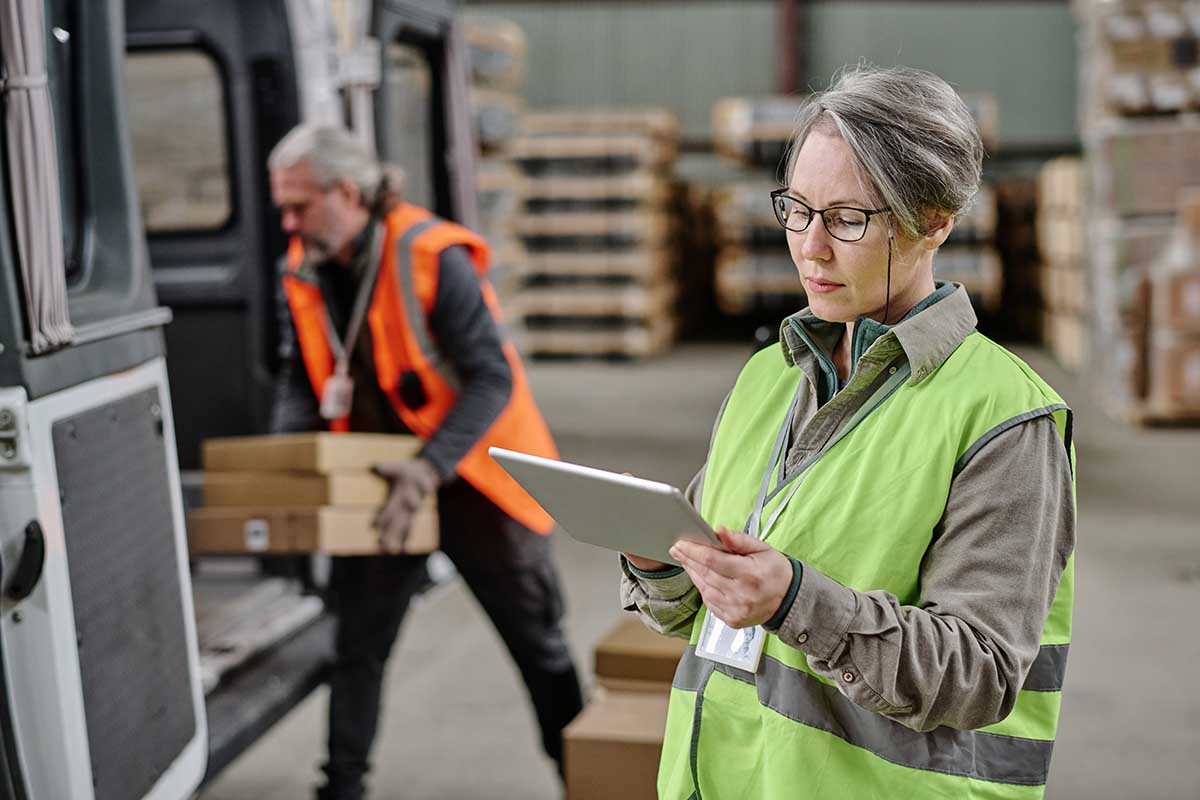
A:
(8, 436)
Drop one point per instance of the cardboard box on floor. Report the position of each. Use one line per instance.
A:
(631, 657)
(613, 747)
(337, 530)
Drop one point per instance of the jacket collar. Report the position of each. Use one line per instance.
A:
(927, 334)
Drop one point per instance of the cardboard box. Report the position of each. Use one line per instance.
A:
(242, 489)
(335, 530)
(613, 747)
(321, 452)
(1175, 376)
(631, 656)
(1177, 301)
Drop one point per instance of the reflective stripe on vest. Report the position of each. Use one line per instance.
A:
(786, 732)
(404, 350)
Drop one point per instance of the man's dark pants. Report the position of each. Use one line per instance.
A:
(510, 571)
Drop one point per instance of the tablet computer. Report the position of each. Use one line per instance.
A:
(606, 509)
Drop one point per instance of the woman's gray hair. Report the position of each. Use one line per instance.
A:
(335, 154)
(912, 136)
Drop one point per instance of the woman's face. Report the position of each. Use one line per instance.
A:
(848, 280)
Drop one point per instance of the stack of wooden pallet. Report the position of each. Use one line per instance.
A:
(1062, 244)
(498, 73)
(597, 224)
(970, 256)
(754, 268)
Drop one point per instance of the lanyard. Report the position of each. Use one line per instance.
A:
(754, 526)
(343, 351)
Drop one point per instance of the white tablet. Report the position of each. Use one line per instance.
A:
(606, 509)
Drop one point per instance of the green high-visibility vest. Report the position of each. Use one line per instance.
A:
(864, 515)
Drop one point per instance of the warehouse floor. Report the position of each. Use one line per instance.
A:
(457, 724)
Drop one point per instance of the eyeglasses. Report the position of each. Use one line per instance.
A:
(843, 223)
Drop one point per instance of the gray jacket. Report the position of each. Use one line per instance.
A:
(961, 655)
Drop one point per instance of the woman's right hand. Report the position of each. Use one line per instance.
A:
(645, 564)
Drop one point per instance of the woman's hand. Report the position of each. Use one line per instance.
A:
(744, 586)
(645, 564)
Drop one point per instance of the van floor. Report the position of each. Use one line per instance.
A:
(457, 724)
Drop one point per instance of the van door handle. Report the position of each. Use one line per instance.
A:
(30, 565)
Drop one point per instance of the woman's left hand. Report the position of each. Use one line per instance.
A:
(744, 586)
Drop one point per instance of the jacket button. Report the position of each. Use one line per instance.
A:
(802, 638)
(848, 677)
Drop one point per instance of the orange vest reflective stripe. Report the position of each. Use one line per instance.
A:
(398, 318)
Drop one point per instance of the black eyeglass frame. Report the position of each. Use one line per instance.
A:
(812, 212)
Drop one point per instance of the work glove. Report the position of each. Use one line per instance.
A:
(411, 482)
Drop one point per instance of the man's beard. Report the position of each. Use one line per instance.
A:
(318, 249)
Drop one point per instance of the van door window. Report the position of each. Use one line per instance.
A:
(180, 143)
(410, 80)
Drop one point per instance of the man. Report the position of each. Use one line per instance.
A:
(392, 327)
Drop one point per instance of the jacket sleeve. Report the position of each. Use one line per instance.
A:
(667, 600)
(467, 335)
(961, 655)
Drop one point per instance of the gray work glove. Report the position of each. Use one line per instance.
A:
(412, 481)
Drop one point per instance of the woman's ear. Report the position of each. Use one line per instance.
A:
(937, 237)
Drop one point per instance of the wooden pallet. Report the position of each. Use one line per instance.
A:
(744, 279)
(613, 154)
(594, 300)
(977, 269)
(650, 122)
(640, 226)
(647, 186)
(498, 53)
(647, 266)
(584, 340)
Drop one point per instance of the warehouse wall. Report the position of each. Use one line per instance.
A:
(688, 53)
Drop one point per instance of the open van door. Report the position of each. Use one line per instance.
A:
(422, 117)
(100, 695)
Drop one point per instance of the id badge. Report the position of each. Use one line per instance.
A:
(735, 647)
(337, 396)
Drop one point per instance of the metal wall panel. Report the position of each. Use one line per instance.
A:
(683, 55)
(686, 55)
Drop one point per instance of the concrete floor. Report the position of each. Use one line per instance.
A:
(457, 725)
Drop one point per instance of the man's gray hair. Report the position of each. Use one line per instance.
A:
(335, 154)
(912, 136)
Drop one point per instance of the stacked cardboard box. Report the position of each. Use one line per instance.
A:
(598, 221)
(1062, 245)
(613, 747)
(1143, 57)
(300, 493)
(1174, 338)
(498, 57)
(1139, 59)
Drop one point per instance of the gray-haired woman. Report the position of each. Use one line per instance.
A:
(891, 611)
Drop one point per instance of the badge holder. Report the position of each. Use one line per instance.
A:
(743, 647)
(337, 396)
(735, 647)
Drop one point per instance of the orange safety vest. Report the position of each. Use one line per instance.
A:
(398, 317)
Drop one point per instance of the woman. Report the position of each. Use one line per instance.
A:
(894, 495)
